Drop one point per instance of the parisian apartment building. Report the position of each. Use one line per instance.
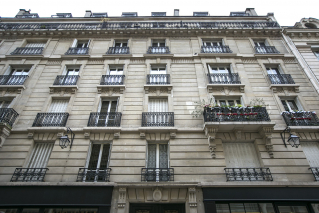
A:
(158, 114)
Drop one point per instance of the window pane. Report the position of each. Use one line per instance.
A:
(251, 207)
(285, 105)
(231, 103)
(8, 210)
(151, 156)
(292, 209)
(105, 156)
(222, 103)
(94, 156)
(163, 161)
(266, 208)
(237, 208)
(222, 208)
(315, 207)
(292, 105)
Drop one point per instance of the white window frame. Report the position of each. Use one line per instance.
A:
(4, 102)
(296, 101)
(213, 43)
(220, 67)
(237, 101)
(34, 162)
(158, 42)
(23, 71)
(118, 69)
(103, 117)
(121, 43)
(85, 43)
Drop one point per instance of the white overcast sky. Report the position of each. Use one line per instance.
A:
(286, 12)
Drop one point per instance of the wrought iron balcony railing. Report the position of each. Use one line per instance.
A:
(157, 174)
(266, 50)
(93, 175)
(32, 15)
(29, 175)
(77, 51)
(112, 80)
(232, 78)
(315, 172)
(158, 79)
(8, 115)
(248, 174)
(301, 118)
(12, 79)
(281, 79)
(51, 119)
(66, 80)
(233, 114)
(140, 25)
(105, 119)
(27, 51)
(215, 49)
(158, 119)
(118, 50)
(158, 50)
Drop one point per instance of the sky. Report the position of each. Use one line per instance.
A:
(286, 12)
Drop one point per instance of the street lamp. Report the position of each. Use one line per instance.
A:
(293, 140)
(65, 141)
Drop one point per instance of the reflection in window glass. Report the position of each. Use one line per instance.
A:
(71, 210)
(266, 208)
(8, 210)
(245, 208)
(292, 209)
(222, 208)
(237, 208)
(315, 207)
(251, 207)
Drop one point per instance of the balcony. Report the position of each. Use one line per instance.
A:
(248, 174)
(157, 119)
(300, 118)
(315, 172)
(77, 51)
(27, 51)
(281, 79)
(158, 50)
(118, 50)
(29, 175)
(66, 80)
(32, 15)
(232, 78)
(215, 49)
(112, 80)
(12, 79)
(266, 50)
(93, 175)
(105, 119)
(158, 79)
(157, 174)
(8, 116)
(56, 119)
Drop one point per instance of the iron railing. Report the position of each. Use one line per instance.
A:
(77, 51)
(118, 50)
(158, 50)
(140, 25)
(105, 119)
(248, 174)
(301, 118)
(158, 79)
(215, 49)
(281, 79)
(266, 50)
(51, 119)
(12, 79)
(66, 80)
(8, 115)
(29, 175)
(315, 172)
(158, 119)
(157, 174)
(232, 78)
(27, 51)
(93, 175)
(112, 80)
(33, 15)
(233, 114)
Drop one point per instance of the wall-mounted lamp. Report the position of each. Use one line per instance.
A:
(65, 141)
(293, 140)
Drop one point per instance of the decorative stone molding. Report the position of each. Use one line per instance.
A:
(157, 133)
(11, 89)
(122, 198)
(157, 195)
(5, 131)
(101, 133)
(238, 133)
(158, 89)
(192, 197)
(285, 87)
(210, 133)
(227, 89)
(266, 133)
(63, 89)
(110, 89)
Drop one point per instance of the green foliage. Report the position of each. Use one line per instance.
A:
(200, 105)
(258, 102)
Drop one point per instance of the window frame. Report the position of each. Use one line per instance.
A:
(116, 68)
(121, 42)
(157, 154)
(218, 101)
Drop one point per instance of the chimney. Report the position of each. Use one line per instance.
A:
(88, 13)
(176, 12)
(251, 11)
(21, 12)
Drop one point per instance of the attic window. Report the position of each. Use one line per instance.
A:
(130, 14)
(158, 13)
(99, 15)
(239, 14)
(310, 26)
(200, 14)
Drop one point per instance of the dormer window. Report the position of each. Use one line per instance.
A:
(158, 13)
(200, 14)
(129, 14)
(99, 15)
(62, 15)
(239, 14)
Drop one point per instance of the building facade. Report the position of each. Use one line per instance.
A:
(174, 114)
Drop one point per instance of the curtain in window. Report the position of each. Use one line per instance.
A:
(241, 155)
(40, 155)
(311, 150)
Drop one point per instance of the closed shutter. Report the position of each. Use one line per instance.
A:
(311, 150)
(240, 155)
(59, 105)
(35, 45)
(40, 155)
(158, 105)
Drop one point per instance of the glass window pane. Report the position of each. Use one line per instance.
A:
(222, 208)
(266, 208)
(222, 103)
(315, 207)
(33, 210)
(285, 105)
(105, 156)
(293, 105)
(237, 207)
(231, 103)
(292, 209)
(94, 156)
(8, 210)
(251, 207)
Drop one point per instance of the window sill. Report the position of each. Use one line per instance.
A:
(63, 89)
(75, 56)
(117, 56)
(155, 88)
(25, 56)
(110, 89)
(159, 55)
(217, 54)
(261, 55)
(225, 87)
(284, 87)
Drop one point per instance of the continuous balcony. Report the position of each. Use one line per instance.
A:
(51, 119)
(8, 116)
(66, 80)
(158, 79)
(281, 79)
(12, 79)
(315, 172)
(301, 118)
(29, 175)
(27, 51)
(158, 50)
(112, 80)
(77, 51)
(105, 119)
(248, 174)
(232, 78)
(118, 50)
(215, 49)
(266, 50)
(157, 119)
(93, 175)
(157, 174)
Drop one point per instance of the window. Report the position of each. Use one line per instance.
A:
(14, 76)
(158, 74)
(59, 105)
(158, 105)
(263, 47)
(4, 104)
(311, 150)
(220, 74)
(40, 155)
(20, 71)
(158, 43)
(158, 13)
(116, 70)
(211, 43)
(35, 44)
(99, 15)
(291, 105)
(228, 102)
(82, 47)
(245, 208)
(200, 14)
(97, 163)
(157, 162)
(260, 43)
(129, 14)
(120, 44)
(239, 14)
(107, 109)
(273, 71)
(241, 155)
(219, 69)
